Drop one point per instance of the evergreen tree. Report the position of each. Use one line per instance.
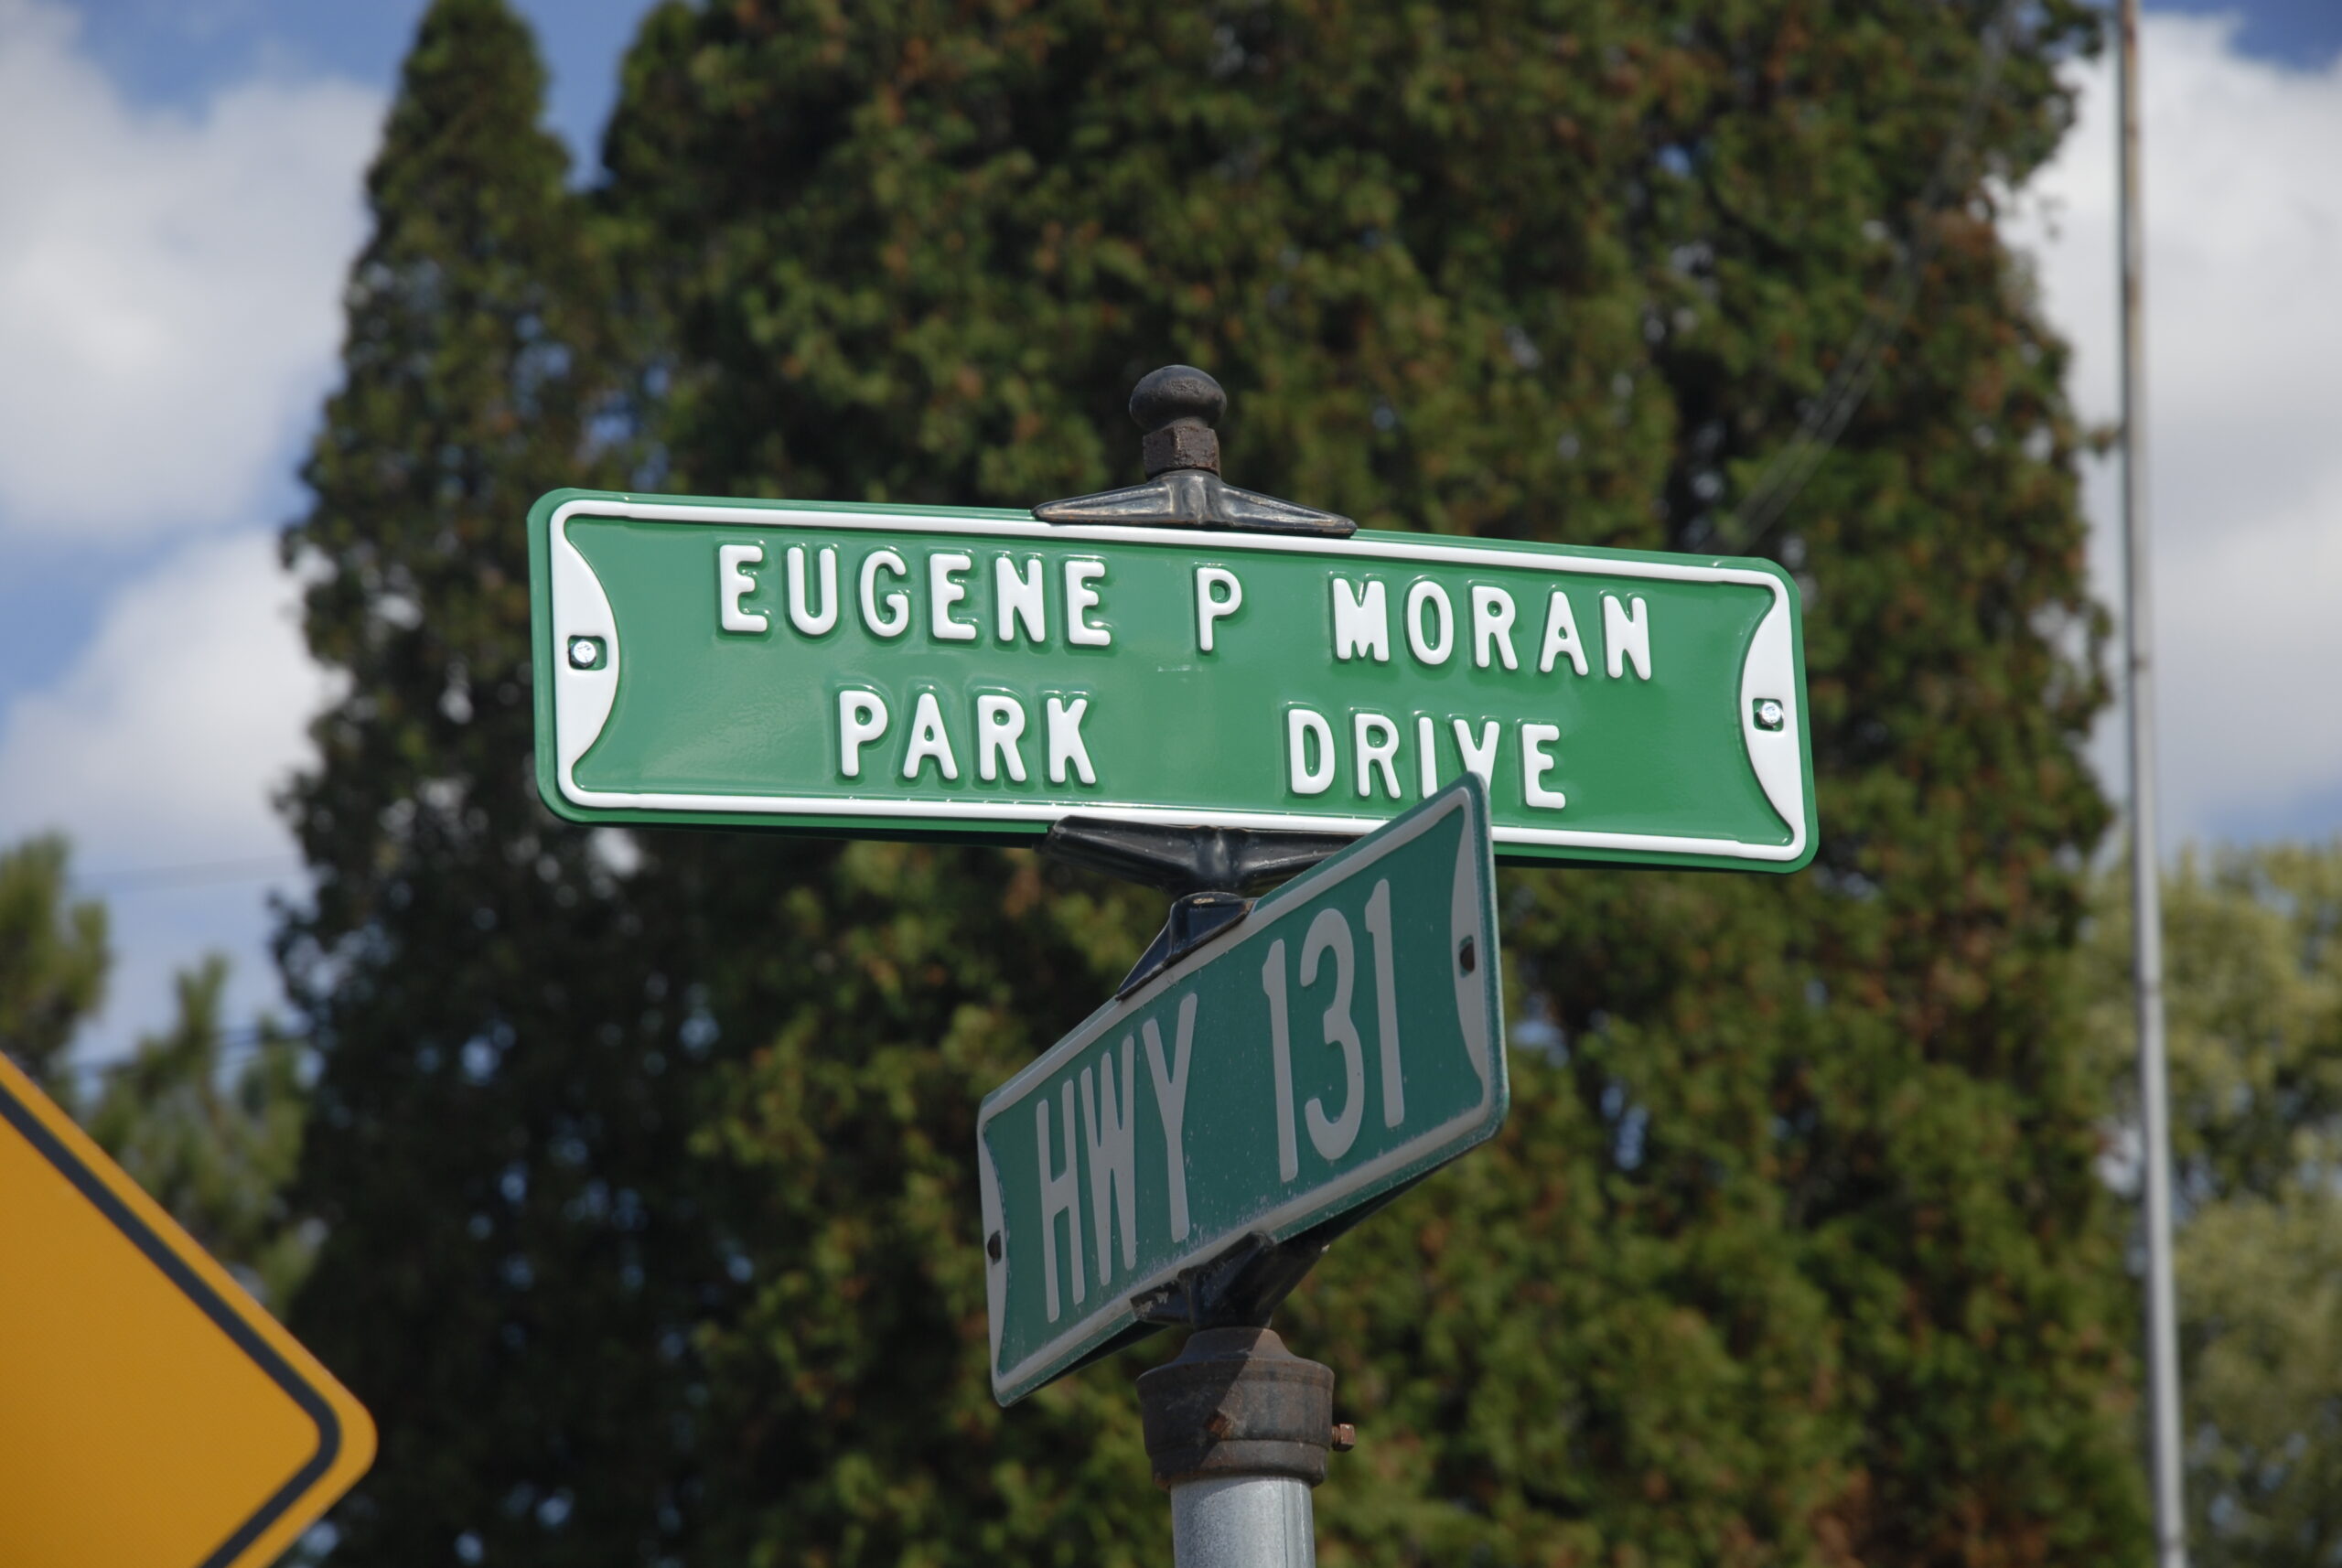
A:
(1794, 1250)
(214, 1147)
(514, 1259)
(214, 1137)
(53, 961)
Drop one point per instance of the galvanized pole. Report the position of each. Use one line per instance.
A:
(1238, 1428)
(2146, 896)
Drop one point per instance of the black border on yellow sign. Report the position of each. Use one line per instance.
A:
(235, 1324)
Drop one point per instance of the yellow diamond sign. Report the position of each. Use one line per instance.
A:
(151, 1415)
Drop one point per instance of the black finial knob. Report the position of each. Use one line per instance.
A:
(1176, 406)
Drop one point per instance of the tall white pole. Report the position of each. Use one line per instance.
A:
(2146, 892)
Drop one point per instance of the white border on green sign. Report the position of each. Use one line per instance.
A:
(1477, 999)
(582, 699)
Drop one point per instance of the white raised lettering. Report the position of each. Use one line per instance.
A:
(1429, 648)
(898, 618)
(1625, 635)
(1380, 751)
(1481, 759)
(733, 585)
(1361, 621)
(1059, 1195)
(1281, 1058)
(1535, 765)
(1492, 612)
(1000, 725)
(1561, 635)
(1018, 597)
(1064, 740)
(929, 740)
(801, 613)
(1386, 1004)
(1218, 595)
(862, 719)
(1171, 1103)
(1426, 758)
(1113, 1140)
(944, 589)
(1333, 1135)
(1080, 597)
(1300, 728)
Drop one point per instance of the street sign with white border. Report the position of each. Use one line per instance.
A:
(1342, 1040)
(892, 671)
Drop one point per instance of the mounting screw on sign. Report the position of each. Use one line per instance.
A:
(586, 652)
(1770, 714)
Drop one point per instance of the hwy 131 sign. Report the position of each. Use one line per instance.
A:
(1342, 1040)
(894, 671)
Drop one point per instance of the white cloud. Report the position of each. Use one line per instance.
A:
(169, 287)
(170, 313)
(2243, 211)
(162, 744)
(160, 747)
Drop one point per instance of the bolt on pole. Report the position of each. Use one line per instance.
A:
(2146, 893)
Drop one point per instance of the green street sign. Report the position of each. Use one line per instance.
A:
(1342, 1040)
(900, 671)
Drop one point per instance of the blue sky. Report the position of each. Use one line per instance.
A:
(172, 57)
(2306, 33)
(180, 198)
(177, 52)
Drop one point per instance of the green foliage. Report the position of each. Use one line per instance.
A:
(516, 1256)
(653, 1219)
(53, 961)
(851, 1392)
(215, 1145)
(2253, 1008)
(1793, 1250)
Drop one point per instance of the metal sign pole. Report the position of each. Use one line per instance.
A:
(2146, 901)
(1219, 1221)
(1238, 1428)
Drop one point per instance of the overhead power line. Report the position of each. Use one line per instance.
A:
(233, 1049)
(198, 874)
